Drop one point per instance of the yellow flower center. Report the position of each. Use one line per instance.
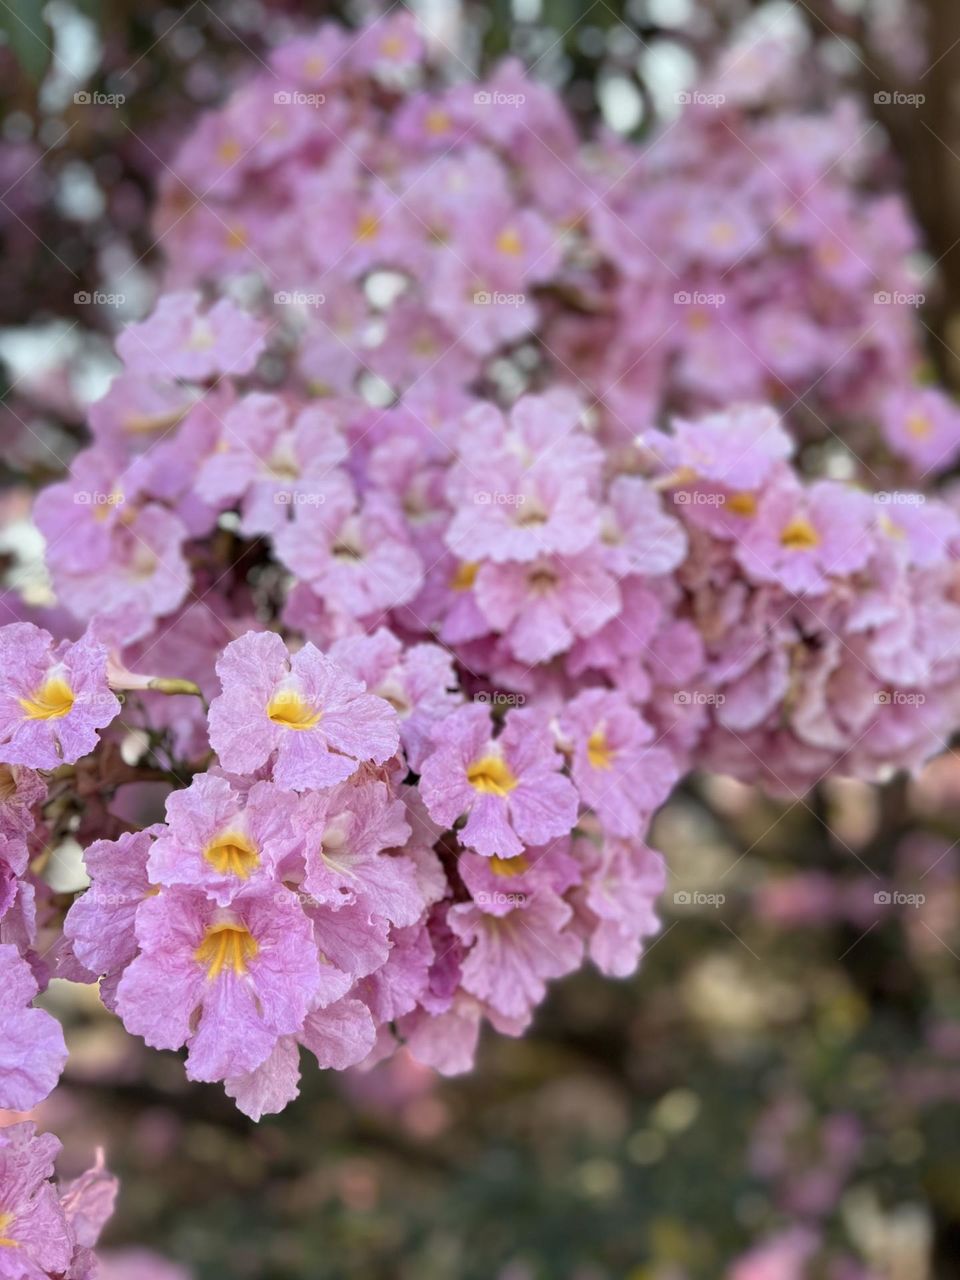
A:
(919, 425)
(287, 709)
(509, 867)
(491, 775)
(599, 752)
(232, 854)
(391, 46)
(228, 151)
(508, 241)
(742, 504)
(437, 121)
(465, 575)
(139, 424)
(723, 233)
(799, 535)
(236, 237)
(53, 700)
(5, 1240)
(367, 226)
(226, 946)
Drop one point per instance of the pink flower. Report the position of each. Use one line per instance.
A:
(357, 557)
(738, 448)
(52, 699)
(521, 514)
(923, 424)
(619, 773)
(543, 606)
(802, 538)
(510, 788)
(273, 466)
(417, 680)
(339, 1036)
(639, 536)
(346, 851)
(498, 884)
(36, 1239)
(227, 983)
(315, 719)
(511, 957)
(20, 790)
(178, 341)
(622, 881)
(143, 576)
(32, 1049)
(100, 926)
(219, 840)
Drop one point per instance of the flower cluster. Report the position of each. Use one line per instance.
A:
(461, 640)
(750, 250)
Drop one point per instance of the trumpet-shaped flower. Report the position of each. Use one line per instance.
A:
(305, 711)
(53, 699)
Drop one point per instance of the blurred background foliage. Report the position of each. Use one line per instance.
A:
(789, 1052)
